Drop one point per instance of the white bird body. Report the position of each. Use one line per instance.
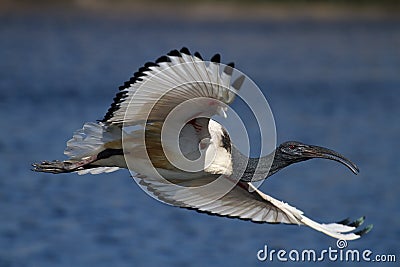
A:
(201, 170)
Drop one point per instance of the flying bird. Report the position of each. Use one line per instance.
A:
(222, 182)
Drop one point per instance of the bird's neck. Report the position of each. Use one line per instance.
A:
(278, 163)
(252, 169)
(257, 169)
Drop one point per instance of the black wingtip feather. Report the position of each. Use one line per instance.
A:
(143, 69)
(163, 59)
(357, 222)
(197, 54)
(139, 74)
(365, 230)
(216, 58)
(121, 94)
(185, 50)
(150, 64)
(345, 221)
(229, 68)
(147, 67)
(174, 53)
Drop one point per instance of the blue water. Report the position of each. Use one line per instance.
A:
(333, 83)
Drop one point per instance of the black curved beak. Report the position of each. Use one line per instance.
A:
(322, 152)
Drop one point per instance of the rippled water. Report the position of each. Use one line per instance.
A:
(332, 83)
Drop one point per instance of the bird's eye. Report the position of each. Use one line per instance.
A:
(292, 146)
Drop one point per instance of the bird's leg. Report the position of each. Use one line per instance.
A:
(57, 166)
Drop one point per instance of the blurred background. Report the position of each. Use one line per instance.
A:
(329, 69)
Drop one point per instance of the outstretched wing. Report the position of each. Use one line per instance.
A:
(148, 98)
(159, 87)
(245, 202)
(180, 91)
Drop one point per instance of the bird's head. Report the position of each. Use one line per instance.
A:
(292, 152)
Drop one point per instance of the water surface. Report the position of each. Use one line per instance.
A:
(333, 83)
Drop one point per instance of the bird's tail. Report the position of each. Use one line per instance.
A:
(95, 148)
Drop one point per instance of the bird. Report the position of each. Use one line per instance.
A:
(213, 176)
